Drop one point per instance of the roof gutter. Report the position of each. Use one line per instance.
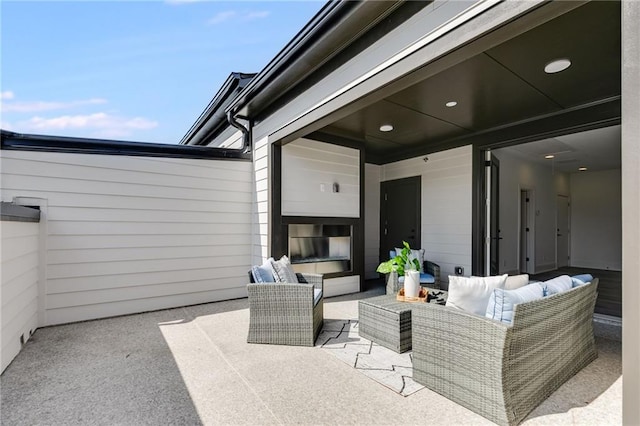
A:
(213, 119)
(337, 25)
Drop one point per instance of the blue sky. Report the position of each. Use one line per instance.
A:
(131, 70)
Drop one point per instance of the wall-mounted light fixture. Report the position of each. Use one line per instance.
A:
(336, 187)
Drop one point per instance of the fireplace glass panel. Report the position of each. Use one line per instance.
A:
(320, 248)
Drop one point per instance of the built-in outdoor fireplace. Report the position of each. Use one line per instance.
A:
(320, 248)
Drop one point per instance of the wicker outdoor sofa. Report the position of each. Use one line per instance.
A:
(503, 371)
(284, 313)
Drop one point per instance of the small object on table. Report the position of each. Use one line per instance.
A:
(422, 296)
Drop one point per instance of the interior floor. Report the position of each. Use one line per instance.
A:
(609, 300)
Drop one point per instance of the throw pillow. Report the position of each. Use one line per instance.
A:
(502, 302)
(558, 285)
(263, 273)
(415, 254)
(578, 280)
(283, 271)
(516, 281)
(472, 294)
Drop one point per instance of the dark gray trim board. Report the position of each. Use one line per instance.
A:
(26, 142)
(14, 213)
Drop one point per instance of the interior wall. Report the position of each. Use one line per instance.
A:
(310, 169)
(446, 205)
(372, 178)
(517, 174)
(596, 226)
(133, 234)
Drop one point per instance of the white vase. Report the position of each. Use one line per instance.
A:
(411, 283)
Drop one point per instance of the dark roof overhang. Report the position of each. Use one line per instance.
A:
(213, 119)
(335, 27)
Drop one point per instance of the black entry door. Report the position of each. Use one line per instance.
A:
(399, 214)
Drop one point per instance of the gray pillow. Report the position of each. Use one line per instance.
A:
(283, 271)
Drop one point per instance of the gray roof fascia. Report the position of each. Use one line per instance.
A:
(15, 213)
(213, 118)
(47, 143)
(331, 30)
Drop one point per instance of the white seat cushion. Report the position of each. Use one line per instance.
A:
(558, 285)
(317, 295)
(516, 281)
(472, 294)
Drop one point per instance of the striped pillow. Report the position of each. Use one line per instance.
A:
(283, 271)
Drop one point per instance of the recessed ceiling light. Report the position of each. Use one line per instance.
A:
(549, 157)
(386, 128)
(557, 65)
(451, 104)
(582, 169)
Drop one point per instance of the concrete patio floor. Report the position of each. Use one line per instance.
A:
(192, 365)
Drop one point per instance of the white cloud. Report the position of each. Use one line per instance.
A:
(256, 15)
(101, 123)
(38, 106)
(6, 95)
(229, 15)
(5, 125)
(222, 17)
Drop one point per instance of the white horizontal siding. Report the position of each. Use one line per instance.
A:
(131, 234)
(19, 285)
(260, 242)
(341, 285)
(308, 167)
(446, 205)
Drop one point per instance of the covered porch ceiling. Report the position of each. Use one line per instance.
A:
(503, 95)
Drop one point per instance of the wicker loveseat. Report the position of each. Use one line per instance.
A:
(286, 314)
(503, 371)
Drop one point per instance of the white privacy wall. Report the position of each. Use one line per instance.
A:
(260, 242)
(596, 219)
(446, 205)
(309, 170)
(132, 234)
(19, 287)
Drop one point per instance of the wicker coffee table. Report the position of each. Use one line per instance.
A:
(387, 322)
